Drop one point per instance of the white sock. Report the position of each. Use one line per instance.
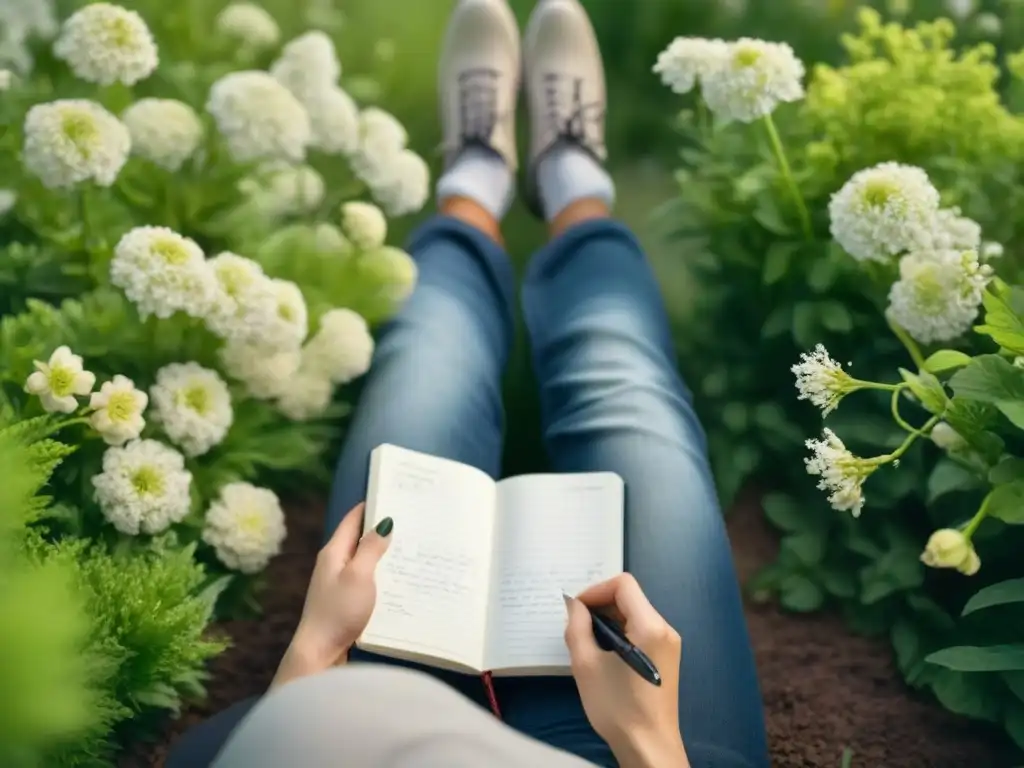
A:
(483, 176)
(568, 174)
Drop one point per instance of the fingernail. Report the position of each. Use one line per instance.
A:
(384, 526)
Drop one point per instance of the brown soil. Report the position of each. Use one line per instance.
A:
(824, 690)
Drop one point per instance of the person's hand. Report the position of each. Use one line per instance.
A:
(340, 599)
(640, 721)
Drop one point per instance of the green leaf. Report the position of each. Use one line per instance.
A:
(1015, 682)
(949, 476)
(1003, 593)
(970, 695)
(778, 322)
(1006, 503)
(989, 379)
(777, 261)
(840, 583)
(800, 594)
(1004, 310)
(1013, 722)
(1013, 410)
(805, 324)
(1006, 471)
(823, 273)
(928, 390)
(769, 217)
(946, 360)
(835, 316)
(974, 658)
(907, 643)
(807, 546)
(785, 512)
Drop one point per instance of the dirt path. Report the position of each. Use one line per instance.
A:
(824, 690)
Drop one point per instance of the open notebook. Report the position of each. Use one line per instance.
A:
(473, 578)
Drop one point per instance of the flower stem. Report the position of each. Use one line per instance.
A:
(895, 408)
(83, 213)
(979, 516)
(787, 175)
(912, 349)
(68, 423)
(916, 433)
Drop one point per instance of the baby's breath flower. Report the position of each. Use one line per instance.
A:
(259, 118)
(8, 199)
(334, 121)
(946, 438)
(162, 272)
(822, 380)
(143, 488)
(74, 140)
(307, 396)
(392, 272)
(950, 231)
(286, 190)
(106, 44)
(687, 60)
(59, 380)
(405, 187)
(949, 548)
(193, 405)
(364, 224)
(883, 211)
(307, 65)
(841, 474)
(753, 78)
(938, 294)
(264, 372)
(117, 410)
(341, 350)
(250, 24)
(164, 131)
(245, 526)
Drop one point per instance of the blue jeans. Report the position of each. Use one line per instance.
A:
(611, 399)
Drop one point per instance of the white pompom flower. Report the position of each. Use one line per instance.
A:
(193, 405)
(752, 79)
(166, 132)
(105, 44)
(307, 396)
(840, 473)
(939, 294)
(364, 224)
(285, 190)
(950, 231)
(60, 381)
(249, 24)
(342, 348)
(143, 488)
(405, 187)
(117, 410)
(687, 60)
(246, 301)
(883, 211)
(245, 526)
(259, 118)
(162, 272)
(290, 323)
(74, 140)
(264, 372)
(334, 121)
(381, 138)
(307, 65)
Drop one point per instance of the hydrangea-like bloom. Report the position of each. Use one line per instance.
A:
(250, 24)
(74, 140)
(193, 405)
(245, 526)
(688, 60)
(753, 78)
(105, 44)
(164, 131)
(341, 349)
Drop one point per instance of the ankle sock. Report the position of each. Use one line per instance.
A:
(568, 174)
(481, 175)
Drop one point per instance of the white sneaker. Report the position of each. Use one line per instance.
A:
(478, 80)
(565, 85)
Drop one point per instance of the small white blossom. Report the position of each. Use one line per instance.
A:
(841, 474)
(291, 321)
(342, 348)
(883, 211)
(259, 118)
(106, 44)
(143, 488)
(405, 187)
(334, 121)
(991, 250)
(250, 24)
(246, 301)
(245, 526)
(364, 224)
(988, 25)
(23, 19)
(264, 372)
(117, 410)
(307, 396)
(960, 10)
(59, 380)
(74, 140)
(162, 272)
(822, 380)
(938, 295)
(950, 231)
(392, 272)
(193, 405)
(949, 548)
(753, 78)
(307, 65)
(946, 438)
(164, 131)
(687, 60)
(286, 190)
(8, 199)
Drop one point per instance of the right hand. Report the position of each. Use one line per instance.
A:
(640, 721)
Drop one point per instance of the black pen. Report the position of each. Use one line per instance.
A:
(611, 637)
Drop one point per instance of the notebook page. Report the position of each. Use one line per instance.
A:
(432, 584)
(554, 533)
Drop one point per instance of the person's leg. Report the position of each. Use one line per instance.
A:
(612, 400)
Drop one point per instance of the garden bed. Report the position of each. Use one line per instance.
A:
(824, 689)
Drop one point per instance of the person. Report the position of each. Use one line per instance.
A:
(611, 399)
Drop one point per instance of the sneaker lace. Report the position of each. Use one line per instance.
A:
(569, 117)
(478, 105)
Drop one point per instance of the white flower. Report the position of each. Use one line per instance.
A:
(961, 9)
(246, 302)
(991, 250)
(308, 64)
(74, 140)
(950, 231)
(250, 24)
(259, 118)
(162, 272)
(752, 79)
(405, 187)
(143, 488)
(341, 350)
(57, 381)
(381, 138)
(946, 438)
(23, 19)
(988, 24)
(164, 131)
(8, 199)
(106, 44)
(949, 548)
(883, 211)
(286, 190)
(334, 121)
(938, 294)
(307, 396)
(264, 372)
(822, 380)
(117, 410)
(841, 473)
(291, 321)
(329, 239)
(245, 526)
(687, 60)
(7, 79)
(392, 272)
(364, 224)
(193, 405)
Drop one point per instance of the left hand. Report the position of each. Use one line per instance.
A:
(340, 599)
